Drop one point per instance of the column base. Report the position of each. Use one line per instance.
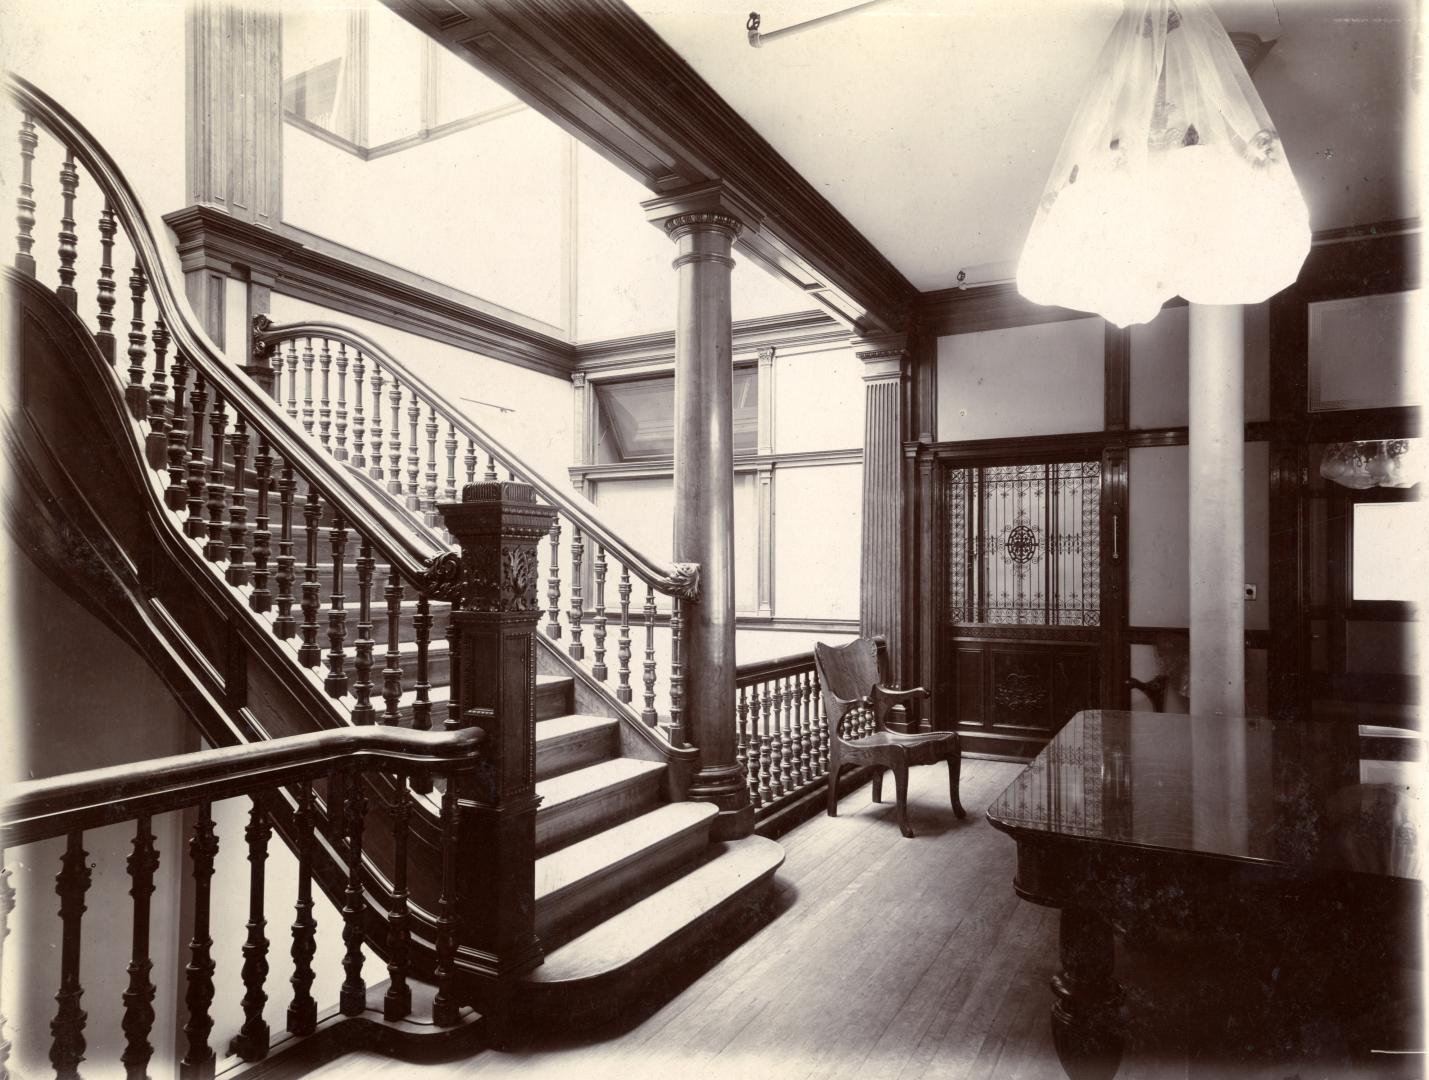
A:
(726, 788)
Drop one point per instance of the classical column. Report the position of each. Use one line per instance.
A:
(493, 648)
(704, 222)
(880, 600)
(1217, 510)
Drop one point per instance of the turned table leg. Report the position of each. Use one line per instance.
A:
(1085, 1027)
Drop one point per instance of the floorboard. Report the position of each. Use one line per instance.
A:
(891, 959)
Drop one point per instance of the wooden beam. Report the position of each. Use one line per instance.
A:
(598, 70)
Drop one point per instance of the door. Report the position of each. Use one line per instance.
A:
(1020, 626)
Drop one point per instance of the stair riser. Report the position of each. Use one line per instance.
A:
(438, 666)
(555, 757)
(585, 816)
(554, 699)
(561, 916)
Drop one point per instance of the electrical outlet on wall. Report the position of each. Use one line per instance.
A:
(1250, 592)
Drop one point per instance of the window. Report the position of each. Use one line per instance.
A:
(1023, 544)
(370, 100)
(1387, 541)
(635, 418)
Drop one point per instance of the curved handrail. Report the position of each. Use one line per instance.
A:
(673, 579)
(39, 809)
(415, 556)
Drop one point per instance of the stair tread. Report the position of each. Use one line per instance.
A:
(441, 692)
(570, 786)
(558, 727)
(606, 850)
(643, 927)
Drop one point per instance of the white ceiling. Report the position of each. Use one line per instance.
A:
(931, 124)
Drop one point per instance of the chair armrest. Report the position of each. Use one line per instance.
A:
(885, 698)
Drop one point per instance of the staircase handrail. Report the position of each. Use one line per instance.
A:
(671, 579)
(40, 809)
(414, 553)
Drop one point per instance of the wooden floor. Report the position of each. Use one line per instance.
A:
(890, 958)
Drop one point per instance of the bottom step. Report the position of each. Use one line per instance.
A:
(605, 963)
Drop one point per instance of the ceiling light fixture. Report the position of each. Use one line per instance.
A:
(757, 39)
(1171, 179)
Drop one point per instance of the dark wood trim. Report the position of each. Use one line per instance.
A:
(1375, 230)
(1147, 635)
(795, 330)
(987, 307)
(308, 268)
(1116, 380)
(602, 73)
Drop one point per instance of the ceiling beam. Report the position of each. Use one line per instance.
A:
(599, 71)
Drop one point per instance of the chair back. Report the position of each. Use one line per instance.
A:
(846, 671)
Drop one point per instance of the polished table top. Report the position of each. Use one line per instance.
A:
(1296, 796)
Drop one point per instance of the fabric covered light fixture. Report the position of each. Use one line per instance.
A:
(1394, 463)
(1172, 179)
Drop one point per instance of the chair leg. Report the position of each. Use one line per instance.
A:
(878, 783)
(955, 771)
(834, 768)
(900, 780)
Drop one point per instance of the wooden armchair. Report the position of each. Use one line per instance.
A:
(855, 698)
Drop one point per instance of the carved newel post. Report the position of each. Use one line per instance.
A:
(493, 655)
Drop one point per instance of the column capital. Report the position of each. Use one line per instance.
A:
(578, 379)
(713, 206)
(882, 355)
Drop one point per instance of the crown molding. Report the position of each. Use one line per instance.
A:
(308, 268)
(798, 330)
(602, 73)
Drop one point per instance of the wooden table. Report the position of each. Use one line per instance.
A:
(1132, 821)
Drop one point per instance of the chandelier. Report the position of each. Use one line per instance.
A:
(1393, 463)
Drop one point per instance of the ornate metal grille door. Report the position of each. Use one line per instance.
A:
(1023, 544)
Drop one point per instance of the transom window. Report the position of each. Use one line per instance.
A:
(636, 417)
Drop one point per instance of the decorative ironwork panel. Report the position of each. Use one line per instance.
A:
(1023, 544)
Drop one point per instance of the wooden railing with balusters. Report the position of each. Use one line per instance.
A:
(307, 786)
(428, 449)
(782, 732)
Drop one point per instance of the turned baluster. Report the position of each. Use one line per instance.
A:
(648, 714)
(251, 1042)
(135, 395)
(69, 239)
(375, 469)
(760, 705)
(490, 474)
(392, 673)
(71, 884)
(394, 437)
(176, 450)
(469, 460)
(285, 626)
(576, 649)
(237, 573)
(336, 681)
(262, 598)
(7, 905)
(598, 669)
(749, 702)
(156, 444)
(788, 768)
(676, 730)
(203, 849)
(799, 691)
(214, 548)
(195, 524)
(24, 204)
(303, 1012)
(622, 647)
(362, 711)
(429, 503)
(105, 298)
(325, 403)
(339, 450)
(309, 653)
(553, 586)
(142, 864)
(292, 379)
(741, 736)
(308, 385)
(776, 743)
(811, 726)
(352, 998)
(397, 1002)
(449, 493)
(359, 415)
(454, 720)
(445, 1008)
(422, 706)
(414, 458)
